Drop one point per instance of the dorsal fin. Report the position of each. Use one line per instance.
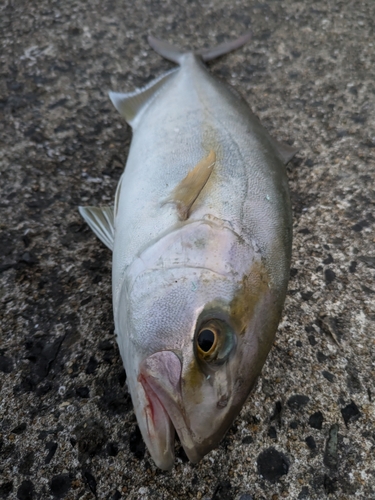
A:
(187, 191)
(130, 105)
(101, 221)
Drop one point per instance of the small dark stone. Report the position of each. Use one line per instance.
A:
(5, 489)
(51, 447)
(329, 484)
(360, 225)
(90, 481)
(60, 485)
(26, 490)
(272, 432)
(306, 295)
(106, 345)
(108, 357)
(136, 443)
(310, 441)
(26, 463)
(312, 340)
(112, 449)
(321, 357)
(122, 378)
(353, 382)
(304, 231)
(293, 272)
(6, 451)
(298, 401)
(330, 454)
(328, 260)
(70, 393)
(19, 429)
(28, 258)
(117, 401)
(329, 275)
(350, 413)
(353, 266)
(246, 496)
(43, 389)
(83, 392)
(91, 366)
(329, 376)
(316, 420)
(28, 384)
(247, 440)
(304, 493)
(277, 413)
(299, 343)
(116, 495)
(43, 355)
(293, 424)
(309, 162)
(6, 364)
(342, 133)
(86, 301)
(58, 103)
(223, 491)
(90, 437)
(272, 464)
(358, 118)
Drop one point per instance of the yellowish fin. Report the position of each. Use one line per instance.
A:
(185, 194)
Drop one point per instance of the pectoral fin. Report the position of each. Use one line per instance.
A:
(187, 191)
(101, 221)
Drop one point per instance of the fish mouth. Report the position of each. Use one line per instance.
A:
(159, 432)
(160, 378)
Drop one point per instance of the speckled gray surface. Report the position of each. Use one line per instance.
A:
(67, 426)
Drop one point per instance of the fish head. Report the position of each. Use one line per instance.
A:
(199, 326)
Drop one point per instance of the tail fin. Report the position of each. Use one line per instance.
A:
(175, 54)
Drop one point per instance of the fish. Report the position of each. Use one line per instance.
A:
(201, 234)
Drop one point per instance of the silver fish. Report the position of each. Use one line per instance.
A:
(201, 236)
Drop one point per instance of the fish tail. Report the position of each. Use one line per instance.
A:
(176, 55)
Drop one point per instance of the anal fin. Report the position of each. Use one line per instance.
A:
(101, 221)
(188, 190)
(285, 151)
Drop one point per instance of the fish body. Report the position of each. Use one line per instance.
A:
(201, 236)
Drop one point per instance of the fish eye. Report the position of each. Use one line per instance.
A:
(207, 340)
(214, 341)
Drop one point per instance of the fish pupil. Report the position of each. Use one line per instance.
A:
(206, 340)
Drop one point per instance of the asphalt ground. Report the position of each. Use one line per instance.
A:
(67, 429)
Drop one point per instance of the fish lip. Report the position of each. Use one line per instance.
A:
(155, 412)
(168, 395)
